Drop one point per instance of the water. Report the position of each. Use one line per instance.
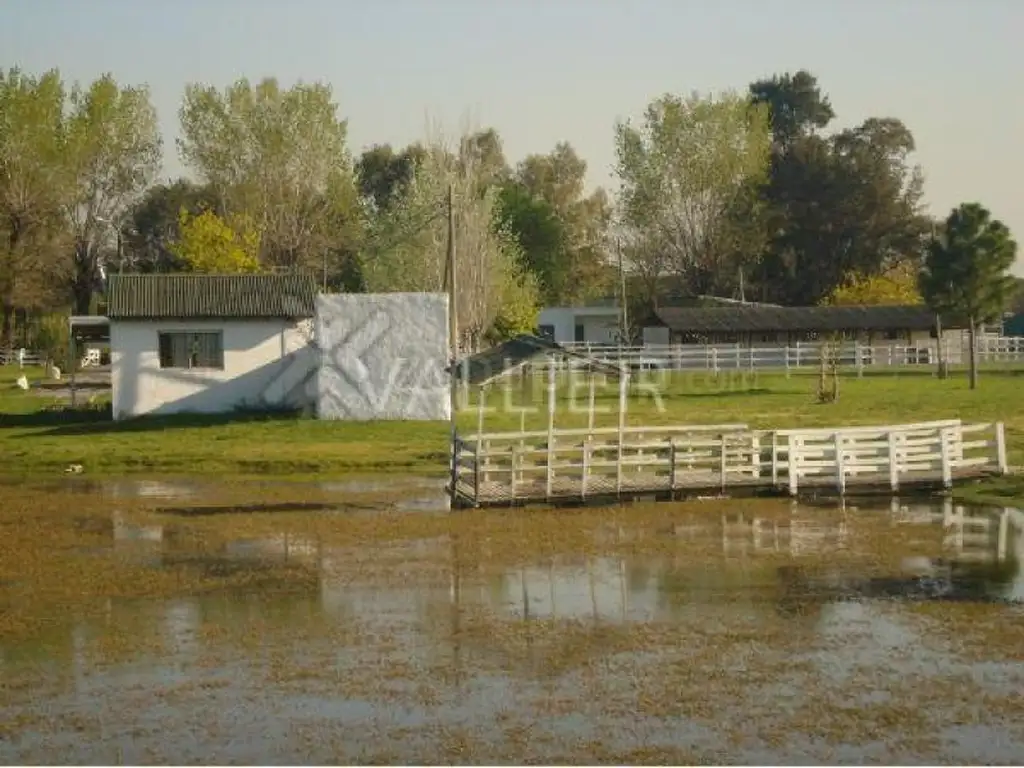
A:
(740, 632)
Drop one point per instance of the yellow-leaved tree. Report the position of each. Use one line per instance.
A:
(207, 243)
(896, 287)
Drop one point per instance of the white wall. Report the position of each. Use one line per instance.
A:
(266, 363)
(600, 324)
(384, 356)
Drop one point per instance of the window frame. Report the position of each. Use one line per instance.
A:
(190, 336)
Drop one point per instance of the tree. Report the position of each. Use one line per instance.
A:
(113, 154)
(896, 287)
(541, 236)
(407, 250)
(682, 172)
(382, 173)
(33, 184)
(153, 224)
(279, 156)
(966, 271)
(208, 243)
(850, 203)
(571, 268)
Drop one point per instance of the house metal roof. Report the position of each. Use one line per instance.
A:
(755, 319)
(195, 296)
(490, 364)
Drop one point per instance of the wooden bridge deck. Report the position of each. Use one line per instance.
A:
(575, 466)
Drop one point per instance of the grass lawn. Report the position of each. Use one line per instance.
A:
(37, 438)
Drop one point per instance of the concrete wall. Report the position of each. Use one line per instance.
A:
(383, 356)
(600, 324)
(267, 363)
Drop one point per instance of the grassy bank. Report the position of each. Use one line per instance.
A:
(36, 439)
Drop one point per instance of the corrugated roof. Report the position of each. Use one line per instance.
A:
(497, 361)
(755, 319)
(196, 296)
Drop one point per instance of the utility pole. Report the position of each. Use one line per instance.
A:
(624, 316)
(453, 343)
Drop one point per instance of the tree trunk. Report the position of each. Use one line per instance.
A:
(972, 334)
(7, 336)
(86, 274)
(940, 349)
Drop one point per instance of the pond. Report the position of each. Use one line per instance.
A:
(361, 623)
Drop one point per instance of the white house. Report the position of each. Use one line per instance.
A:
(189, 343)
(594, 325)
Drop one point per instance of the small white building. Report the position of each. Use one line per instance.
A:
(191, 343)
(591, 325)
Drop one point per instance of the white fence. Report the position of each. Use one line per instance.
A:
(22, 360)
(802, 355)
(576, 463)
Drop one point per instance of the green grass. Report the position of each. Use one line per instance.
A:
(34, 440)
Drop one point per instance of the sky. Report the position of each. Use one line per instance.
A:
(567, 70)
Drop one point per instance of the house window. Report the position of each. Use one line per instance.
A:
(188, 349)
(547, 331)
(580, 333)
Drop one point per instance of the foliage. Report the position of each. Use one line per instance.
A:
(279, 156)
(966, 269)
(153, 224)
(382, 174)
(53, 337)
(849, 203)
(541, 236)
(896, 287)
(410, 239)
(113, 150)
(684, 170)
(208, 243)
(33, 182)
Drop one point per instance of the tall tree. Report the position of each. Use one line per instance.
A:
(845, 204)
(571, 268)
(408, 246)
(279, 156)
(113, 153)
(684, 170)
(966, 271)
(382, 173)
(153, 224)
(33, 182)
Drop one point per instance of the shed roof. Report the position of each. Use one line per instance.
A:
(195, 296)
(495, 362)
(753, 319)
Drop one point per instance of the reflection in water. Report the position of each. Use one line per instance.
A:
(734, 639)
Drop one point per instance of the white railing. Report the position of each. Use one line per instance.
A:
(574, 464)
(800, 355)
(14, 358)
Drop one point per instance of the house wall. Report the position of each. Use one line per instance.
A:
(267, 363)
(600, 324)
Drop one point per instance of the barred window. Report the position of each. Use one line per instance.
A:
(187, 349)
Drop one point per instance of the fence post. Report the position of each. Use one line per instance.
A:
(775, 459)
(739, 350)
(476, 471)
(755, 454)
(947, 465)
(786, 354)
(894, 464)
(714, 360)
(672, 466)
(837, 445)
(723, 463)
(858, 358)
(586, 467)
(515, 469)
(1001, 448)
(793, 462)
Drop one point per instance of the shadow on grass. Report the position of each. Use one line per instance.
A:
(248, 509)
(70, 421)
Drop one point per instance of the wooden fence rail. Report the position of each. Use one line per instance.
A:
(574, 465)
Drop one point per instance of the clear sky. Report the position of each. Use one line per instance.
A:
(541, 72)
